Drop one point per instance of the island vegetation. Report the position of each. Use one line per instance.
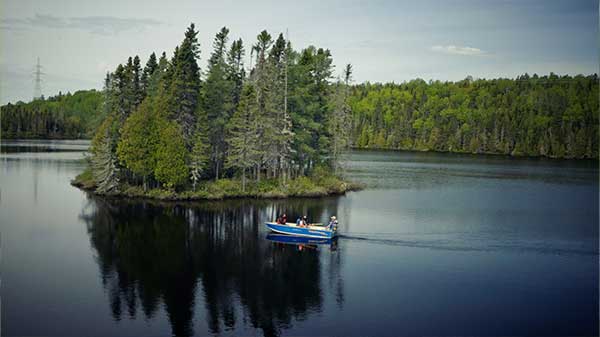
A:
(173, 132)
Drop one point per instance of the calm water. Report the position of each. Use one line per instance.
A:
(438, 245)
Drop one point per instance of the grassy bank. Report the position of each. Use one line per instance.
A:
(312, 186)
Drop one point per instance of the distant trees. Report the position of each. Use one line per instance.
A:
(536, 116)
(75, 115)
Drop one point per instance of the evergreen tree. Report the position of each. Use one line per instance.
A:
(104, 159)
(183, 82)
(148, 71)
(171, 155)
(139, 140)
(235, 71)
(242, 136)
(217, 94)
(137, 89)
(339, 123)
(200, 154)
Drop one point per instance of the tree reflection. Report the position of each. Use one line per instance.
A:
(155, 255)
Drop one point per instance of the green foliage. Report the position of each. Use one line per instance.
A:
(242, 134)
(75, 115)
(104, 159)
(217, 94)
(200, 155)
(139, 141)
(535, 116)
(85, 179)
(171, 155)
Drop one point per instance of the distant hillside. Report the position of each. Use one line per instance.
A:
(552, 116)
(62, 116)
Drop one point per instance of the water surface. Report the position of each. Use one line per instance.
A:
(438, 244)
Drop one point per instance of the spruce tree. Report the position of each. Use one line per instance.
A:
(242, 136)
(200, 155)
(183, 81)
(104, 159)
(339, 121)
(148, 71)
(217, 93)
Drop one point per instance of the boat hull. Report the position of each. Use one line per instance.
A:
(298, 240)
(309, 232)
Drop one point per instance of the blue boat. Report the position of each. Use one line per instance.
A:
(298, 240)
(312, 231)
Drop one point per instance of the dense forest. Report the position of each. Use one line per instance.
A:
(288, 114)
(171, 125)
(554, 116)
(62, 116)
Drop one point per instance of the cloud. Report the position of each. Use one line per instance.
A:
(457, 50)
(104, 25)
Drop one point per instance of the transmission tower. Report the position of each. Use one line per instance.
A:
(37, 90)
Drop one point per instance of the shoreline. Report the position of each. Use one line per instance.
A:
(229, 189)
(383, 149)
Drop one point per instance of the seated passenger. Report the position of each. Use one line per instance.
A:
(304, 221)
(333, 223)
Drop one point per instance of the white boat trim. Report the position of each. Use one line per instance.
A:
(333, 234)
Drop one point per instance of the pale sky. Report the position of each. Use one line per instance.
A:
(77, 41)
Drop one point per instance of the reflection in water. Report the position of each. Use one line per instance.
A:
(154, 255)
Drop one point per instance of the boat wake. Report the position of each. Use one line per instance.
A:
(468, 244)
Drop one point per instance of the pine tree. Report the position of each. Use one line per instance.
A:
(217, 94)
(104, 159)
(242, 136)
(183, 82)
(157, 79)
(235, 71)
(200, 154)
(148, 71)
(137, 89)
(339, 122)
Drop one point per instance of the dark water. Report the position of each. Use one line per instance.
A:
(438, 245)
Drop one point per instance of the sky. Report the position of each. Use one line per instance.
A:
(78, 41)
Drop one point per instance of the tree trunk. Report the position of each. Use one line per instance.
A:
(244, 180)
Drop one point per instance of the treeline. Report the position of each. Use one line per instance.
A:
(171, 125)
(553, 116)
(62, 116)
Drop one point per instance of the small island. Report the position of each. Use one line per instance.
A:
(172, 132)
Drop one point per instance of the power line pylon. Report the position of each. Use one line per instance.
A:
(37, 90)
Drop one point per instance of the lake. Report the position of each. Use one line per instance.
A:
(438, 244)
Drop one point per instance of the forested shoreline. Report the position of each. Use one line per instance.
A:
(551, 116)
(64, 116)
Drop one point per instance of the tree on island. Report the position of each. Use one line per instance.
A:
(171, 129)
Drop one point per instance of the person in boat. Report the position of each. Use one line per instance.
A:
(333, 223)
(284, 219)
(299, 221)
(304, 221)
